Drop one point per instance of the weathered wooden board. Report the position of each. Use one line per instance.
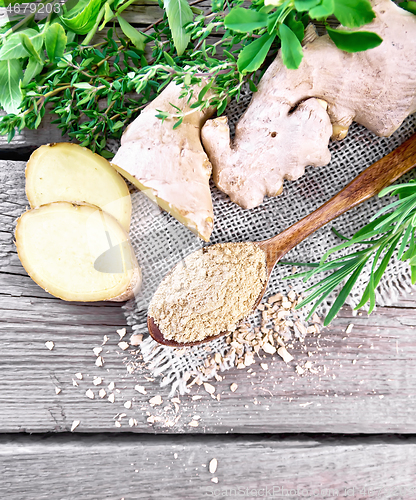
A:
(376, 394)
(28, 140)
(365, 380)
(158, 467)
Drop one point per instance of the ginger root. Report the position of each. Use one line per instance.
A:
(75, 251)
(284, 129)
(169, 165)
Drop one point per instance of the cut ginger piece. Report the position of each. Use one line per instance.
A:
(169, 165)
(275, 150)
(69, 172)
(77, 252)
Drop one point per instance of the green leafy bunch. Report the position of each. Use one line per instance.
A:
(391, 232)
(49, 61)
(95, 89)
(286, 20)
(92, 87)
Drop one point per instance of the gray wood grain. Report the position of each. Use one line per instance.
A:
(28, 140)
(159, 467)
(364, 381)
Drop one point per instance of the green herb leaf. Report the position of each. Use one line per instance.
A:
(323, 10)
(304, 5)
(217, 5)
(178, 123)
(55, 41)
(222, 106)
(11, 74)
(254, 54)
(272, 21)
(376, 276)
(413, 272)
(295, 25)
(411, 251)
(28, 45)
(13, 48)
(137, 38)
(405, 241)
(409, 6)
(203, 92)
(342, 296)
(353, 13)
(292, 53)
(81, 19)
(179, 14)
(252, 85)
(245, 20)
(354, 41)
(33, 68)
(108, 15)
(169, 59)
(83, 85)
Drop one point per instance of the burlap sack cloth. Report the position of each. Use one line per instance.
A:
(160, 241)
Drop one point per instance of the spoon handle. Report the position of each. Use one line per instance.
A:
(370, 182)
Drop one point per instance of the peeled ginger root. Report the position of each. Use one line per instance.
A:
(69, 172)
(77, 252)
(169, 165)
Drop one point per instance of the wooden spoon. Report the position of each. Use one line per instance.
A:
(370, 182)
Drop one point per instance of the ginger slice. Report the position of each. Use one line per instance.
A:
(283, 129)
(169, 165)
(69, 172)
(77, 252)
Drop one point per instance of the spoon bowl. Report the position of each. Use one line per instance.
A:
(367, 184)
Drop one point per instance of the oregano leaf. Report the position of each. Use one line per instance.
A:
(55, 41)
(254, 54)
(11, 74)
(179, 14)
(304, 5)
(13, 48)
(354, 41)
(292, 53)
(137, 38)
(353, 13)
(245, 20)
(33, 68)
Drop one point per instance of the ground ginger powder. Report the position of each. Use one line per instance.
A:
(209, 292)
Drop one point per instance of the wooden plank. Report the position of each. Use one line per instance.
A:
(13, 203)
(28, 140)
(374, 395)
(364, 380)
(157, 467)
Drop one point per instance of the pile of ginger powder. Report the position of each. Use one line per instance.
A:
(209, 292)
